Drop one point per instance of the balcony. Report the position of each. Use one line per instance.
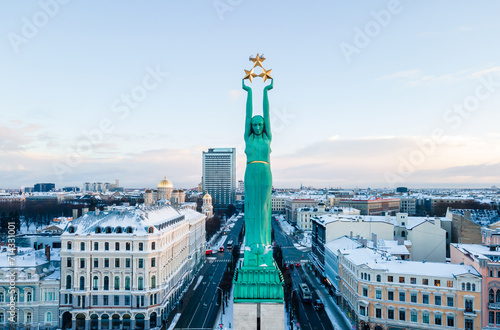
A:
(469, 312)
(494, 305)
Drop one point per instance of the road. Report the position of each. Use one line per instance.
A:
(199, 304)
(290, 253)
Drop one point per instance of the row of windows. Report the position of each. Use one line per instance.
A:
(140, 262)
(105, 283)
(413, 317)
(106, 246)
(28, 317)
(47, 296)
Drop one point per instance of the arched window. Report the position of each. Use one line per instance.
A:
(98, 230)
(2, 318)
(473, 287)
(106, 283)
(150, 230)
(369, 277)
(491, 272)
(491, 296)
(68, 245)
(108, 230)
(48, 317)
(71, 230)
(1, 297)
(468, 286)
(28, 317)
(129, 230)
(153, 246)
(29, 297)
(127, 283)
(68, 282)
(117, 283)
(463, 286)
(153, 282)
(379, 278)
(140, 283)
(119, 230)
(95, 283)
(141, 246)
(82, 283)
(497, 298)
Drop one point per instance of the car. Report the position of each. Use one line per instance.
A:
(291, 266)
(221, 249)
(318, 304)
(285, 266)
(298, 264)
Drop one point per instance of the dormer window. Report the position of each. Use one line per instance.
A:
(71, 230)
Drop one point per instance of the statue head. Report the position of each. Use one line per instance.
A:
(258, 125)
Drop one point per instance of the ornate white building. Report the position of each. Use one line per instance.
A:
(126, 267)
(164, 192)
(207, 208)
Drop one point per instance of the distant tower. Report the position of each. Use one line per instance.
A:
(207, 207)
(174, 199)
(148, 197)
(182, 196)
(165, 188)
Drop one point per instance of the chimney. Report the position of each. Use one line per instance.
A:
(374, 239)
(85, 210)
(350, 236)
(97, 211)
(75, 214)
(401, 241)
(47, 252)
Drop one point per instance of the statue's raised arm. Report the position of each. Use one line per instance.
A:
(265, 107)
(249, 110)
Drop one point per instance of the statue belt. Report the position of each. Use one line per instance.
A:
(258, 161)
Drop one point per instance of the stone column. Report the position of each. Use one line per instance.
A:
(99, 323)
(73, 321)
(121, 322)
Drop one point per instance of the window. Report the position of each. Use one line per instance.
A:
(117, 246)
(68, 262)
(117, 300)
(425, 317)
(48, 317)
(127, 283)
(413, 297)
(106, 283)
(379, 278)
(141, 263)
(437, 283)
(153, 246)
(414, 316)
(106, 262)
(95, 283)
(401, 279)
(96, 246)
(437, 319)
(498, 317)
(29, 297)
(450, 320)
(469, 324)
(117, 283)
(413, 280)
(425, 281)
(29, 276)
(140, 283)
(82, 263)
(390, 314)
(390, 295)
(106, 246)
(94, 300)
(2, 318)
(117, 262)
(449, 284)
(425, 299)
(127, 300)
(82, 283)
(153, 262)
(390, 278)
(437, 300)
(96, 263)
(127, 246)
(378, 294)
(28, 317)
(153, 283)
(1, 297)
(68, 282)
(463, 286)
(449, 301)
(469, 305)
(362, 309)
(68, 245)
(142, 300)
(378, 313)
(82, 246)
(127, 262)
(473, 287)
(402, 296)
(402, 315)
(105, 300)
(141, 246)
(468, 286)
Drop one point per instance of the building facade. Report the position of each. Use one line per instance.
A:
(376, 206)
(219, 175)
(125, 267)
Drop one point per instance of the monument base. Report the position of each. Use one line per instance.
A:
(263, 316)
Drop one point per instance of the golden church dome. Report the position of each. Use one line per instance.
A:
(207, 195)
(165, 184)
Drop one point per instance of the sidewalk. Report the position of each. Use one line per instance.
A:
(330, 305)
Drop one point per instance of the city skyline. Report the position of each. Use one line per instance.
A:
(379, 94)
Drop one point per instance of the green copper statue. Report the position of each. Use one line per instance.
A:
(258, 184)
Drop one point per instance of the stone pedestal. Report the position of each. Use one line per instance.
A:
(263, 316)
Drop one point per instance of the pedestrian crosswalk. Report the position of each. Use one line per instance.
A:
(211, 259)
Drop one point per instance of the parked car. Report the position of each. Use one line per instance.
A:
(297, 264)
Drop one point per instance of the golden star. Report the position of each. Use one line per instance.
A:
(257, 60)
(266, 74)
(249, 75)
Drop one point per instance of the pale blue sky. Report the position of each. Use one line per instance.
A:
(337, 121)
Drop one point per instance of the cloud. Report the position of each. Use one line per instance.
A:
(235, 95)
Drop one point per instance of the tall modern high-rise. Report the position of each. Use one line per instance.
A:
(219, 175)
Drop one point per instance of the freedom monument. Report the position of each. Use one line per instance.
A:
(258, 283)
